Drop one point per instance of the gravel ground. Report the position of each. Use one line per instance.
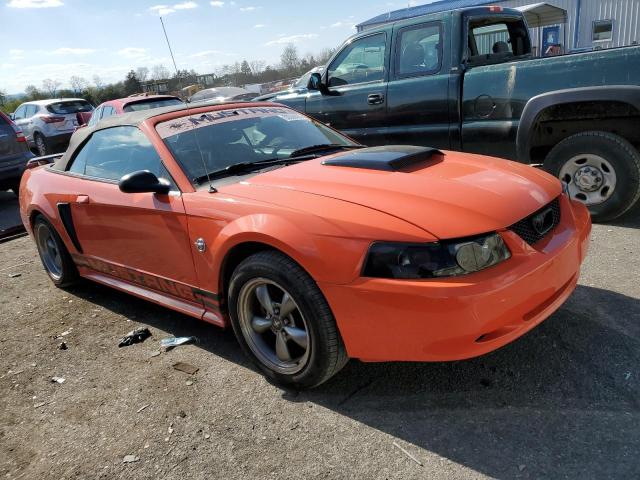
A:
(562, 402)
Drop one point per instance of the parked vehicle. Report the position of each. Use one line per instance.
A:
(312, 247)
(48, 124)
(300, 86)
(133, 103)
(466, 80)
(14, 154)
(222, 94)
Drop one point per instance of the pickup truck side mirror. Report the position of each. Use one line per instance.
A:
(315, 83)
(143, 181)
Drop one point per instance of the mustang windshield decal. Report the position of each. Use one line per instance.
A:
(193, 122)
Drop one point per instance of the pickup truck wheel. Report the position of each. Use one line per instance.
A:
(54, 255)
(41, 144)
(283, 322)
(601, 169)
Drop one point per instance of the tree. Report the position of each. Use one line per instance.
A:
(325, 55)
(159, 72)
(142, 73)
(257, 66)
(2, 97)
(32, 92)
(50, 86)
(289, 59)
(245, 69)
(97, 81)
(78, 84)
(131, 84)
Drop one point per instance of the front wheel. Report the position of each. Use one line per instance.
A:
(601, 169)
(283, 322)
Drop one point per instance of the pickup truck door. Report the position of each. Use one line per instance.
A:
(418, 90)
(356, 78)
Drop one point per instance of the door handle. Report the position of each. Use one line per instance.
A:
(375, 99)
(82, 199)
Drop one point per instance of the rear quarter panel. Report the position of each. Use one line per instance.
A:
(509, 86)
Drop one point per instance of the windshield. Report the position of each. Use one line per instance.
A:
(152, 103)
(74, 106)
(211, 142)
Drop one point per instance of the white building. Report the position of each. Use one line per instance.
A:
(590, 24)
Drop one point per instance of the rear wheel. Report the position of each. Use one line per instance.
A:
(54, 255)
(283, 322)
(41, 144)
(601, 169)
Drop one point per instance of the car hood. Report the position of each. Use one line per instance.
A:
(451, 195)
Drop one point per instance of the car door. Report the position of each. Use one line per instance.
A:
(356, 78)
(19, 118)
(417, 94)
(136, 237)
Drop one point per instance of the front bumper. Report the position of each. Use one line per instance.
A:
(467, 316)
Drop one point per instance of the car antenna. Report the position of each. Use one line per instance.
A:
(212, 189)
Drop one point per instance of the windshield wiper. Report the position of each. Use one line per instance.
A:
(244, 167)
(320, 148)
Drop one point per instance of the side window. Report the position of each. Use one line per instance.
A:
(20, 112)
(361, 61)
(95, 116)
(107, 112)
(114, 152)
(419, 50)
(31, 111)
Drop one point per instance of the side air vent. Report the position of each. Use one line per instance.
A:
(389, 158)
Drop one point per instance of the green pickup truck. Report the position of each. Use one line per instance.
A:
(467, 80)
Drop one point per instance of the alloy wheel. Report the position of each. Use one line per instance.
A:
(49, 251)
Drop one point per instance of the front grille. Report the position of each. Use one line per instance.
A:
(526, 228)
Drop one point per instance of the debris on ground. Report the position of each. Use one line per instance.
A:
(15, 275)
(188, 383)
(138, 335)
(62, 346)
(143, 407)
(155, 353)
(130, 458)
(185, 367)
(57, 379)
(170, 342)
(521, 467)
(408, 454)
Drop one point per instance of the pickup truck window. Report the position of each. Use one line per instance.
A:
(361, 61)
(419, 50)
(494, 40)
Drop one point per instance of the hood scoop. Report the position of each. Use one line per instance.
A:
(389, 158)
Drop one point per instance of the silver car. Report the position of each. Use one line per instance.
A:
(48, 124)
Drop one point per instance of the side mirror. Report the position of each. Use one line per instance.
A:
(12, 116)
(143, 182)
(315, 82)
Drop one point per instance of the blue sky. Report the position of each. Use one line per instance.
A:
(60, 38)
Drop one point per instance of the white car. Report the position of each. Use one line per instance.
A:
(48, 124)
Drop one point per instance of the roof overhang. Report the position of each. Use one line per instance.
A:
(543, 14)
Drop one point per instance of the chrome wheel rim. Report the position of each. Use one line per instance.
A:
(49, 252)
(273, 326)
(42, 149)
(589, 178)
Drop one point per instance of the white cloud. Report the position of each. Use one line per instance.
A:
(16, 53)
(259, 25)
(217, 4)
(132, 52)
(248, 9)
(207, 53)
(72, 51)
(185, 5)
(292, 39)
(34, 3)
(162, 9)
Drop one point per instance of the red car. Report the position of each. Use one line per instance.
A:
(315, 249)
(131, 104)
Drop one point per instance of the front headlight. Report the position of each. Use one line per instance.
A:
(430, 260)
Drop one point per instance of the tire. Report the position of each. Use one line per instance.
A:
(603, 156)
(42, 148)
(62, 271)
(325, 353)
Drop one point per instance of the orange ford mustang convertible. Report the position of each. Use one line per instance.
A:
(312, 247)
